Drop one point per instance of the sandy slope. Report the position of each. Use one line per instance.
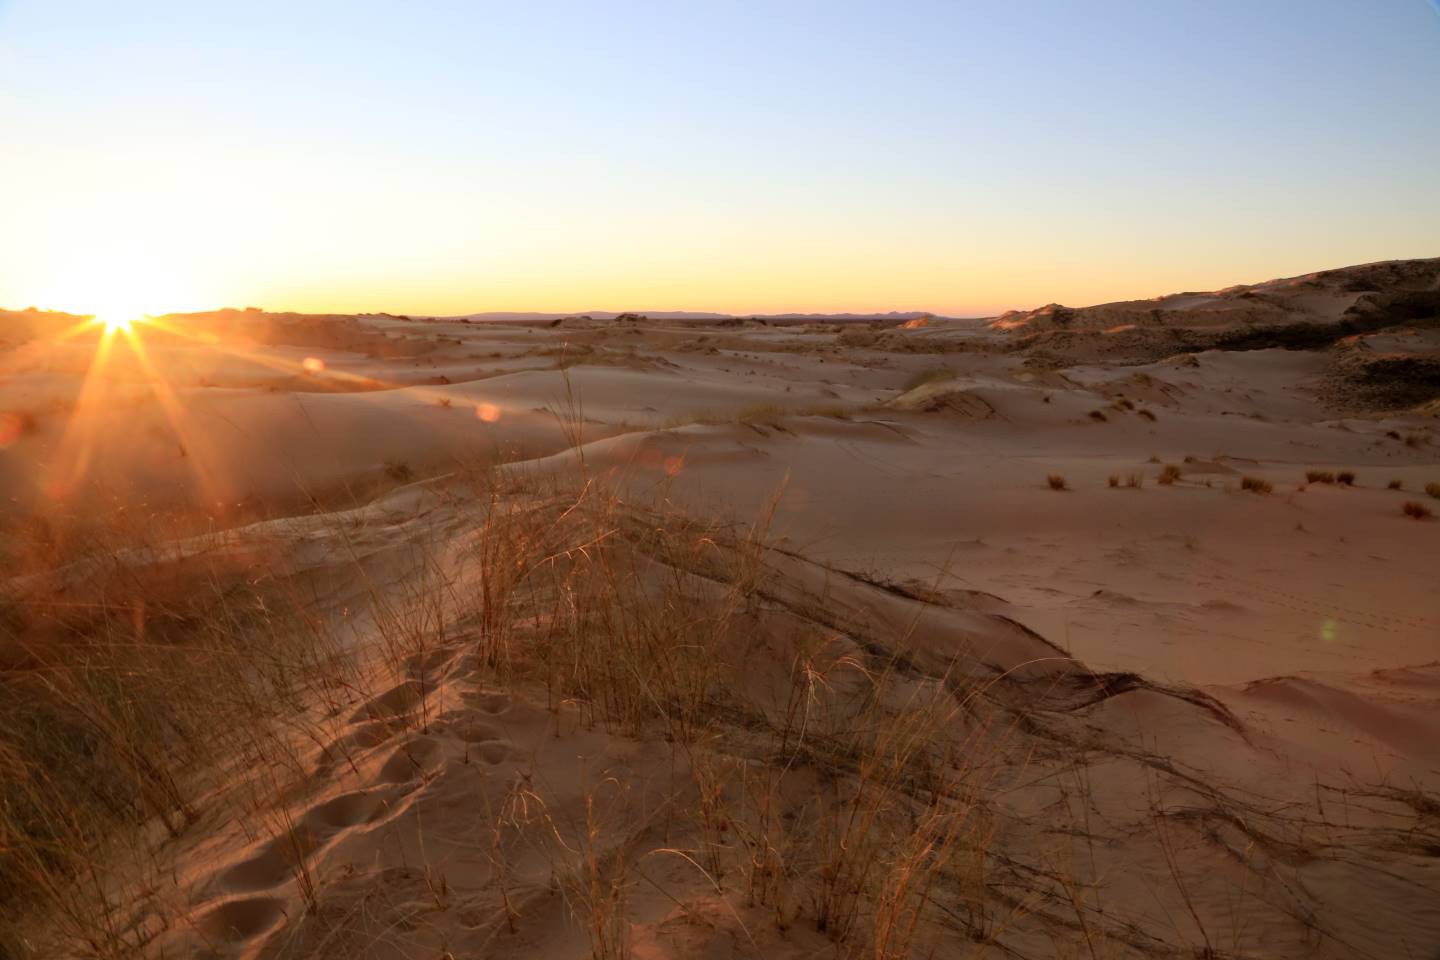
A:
(1197, 718)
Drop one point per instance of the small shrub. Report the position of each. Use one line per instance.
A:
(1153, 459)
(1169, 474)
(1396, 484)
(1056, 482)
(1392, 434)
(1148, 415)
(1135, 480)
(1433, 489)
(1098, 416)
(1345, 478)
(1255, 484)
(399, 471)
(1123, 404)
(1114, 480)
(1413, 440)
(1413, 508)
(1319, 476)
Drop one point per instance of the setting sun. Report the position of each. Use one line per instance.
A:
(115, 323)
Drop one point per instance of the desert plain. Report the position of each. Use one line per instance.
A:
(1075, 632)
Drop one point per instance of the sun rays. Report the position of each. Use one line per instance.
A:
(138, 357)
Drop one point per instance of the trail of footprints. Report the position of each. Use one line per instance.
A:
(244, 901)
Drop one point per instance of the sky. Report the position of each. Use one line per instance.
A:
(963, 156)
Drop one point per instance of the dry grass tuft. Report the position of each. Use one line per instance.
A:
(1346, 478)
(1098, 416)
(1056, 481)
(1169, 474)
(1319, 476)
(1396, 485)
(1255, 484)
(1147, 414)
(1413, 508)
(1433, 489)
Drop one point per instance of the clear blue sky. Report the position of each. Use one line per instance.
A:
(957, 156)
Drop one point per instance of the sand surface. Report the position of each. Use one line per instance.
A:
(1211, 716)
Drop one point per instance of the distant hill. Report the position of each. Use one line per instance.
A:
(1362, 296)
(896, 316)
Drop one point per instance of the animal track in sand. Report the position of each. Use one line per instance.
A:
(245, 919)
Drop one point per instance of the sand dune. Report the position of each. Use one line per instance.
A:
(1094, 632)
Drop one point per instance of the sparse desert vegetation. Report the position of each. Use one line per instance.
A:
(1416, 509)
(1256, 484)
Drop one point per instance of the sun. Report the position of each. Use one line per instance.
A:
(115, 323)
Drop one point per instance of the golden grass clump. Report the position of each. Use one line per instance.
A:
(1056, 481)
(1256, 484)
(1433, 489)
(1415, 509)
(1169, 474)
(1319, 476)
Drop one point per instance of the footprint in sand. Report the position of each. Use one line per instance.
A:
(489, 742)
(412, 760)
(492, 704)
(493, 751)
(273, 864)
(432, 662)
(348, 810)
(399, 700)
(246, 919)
